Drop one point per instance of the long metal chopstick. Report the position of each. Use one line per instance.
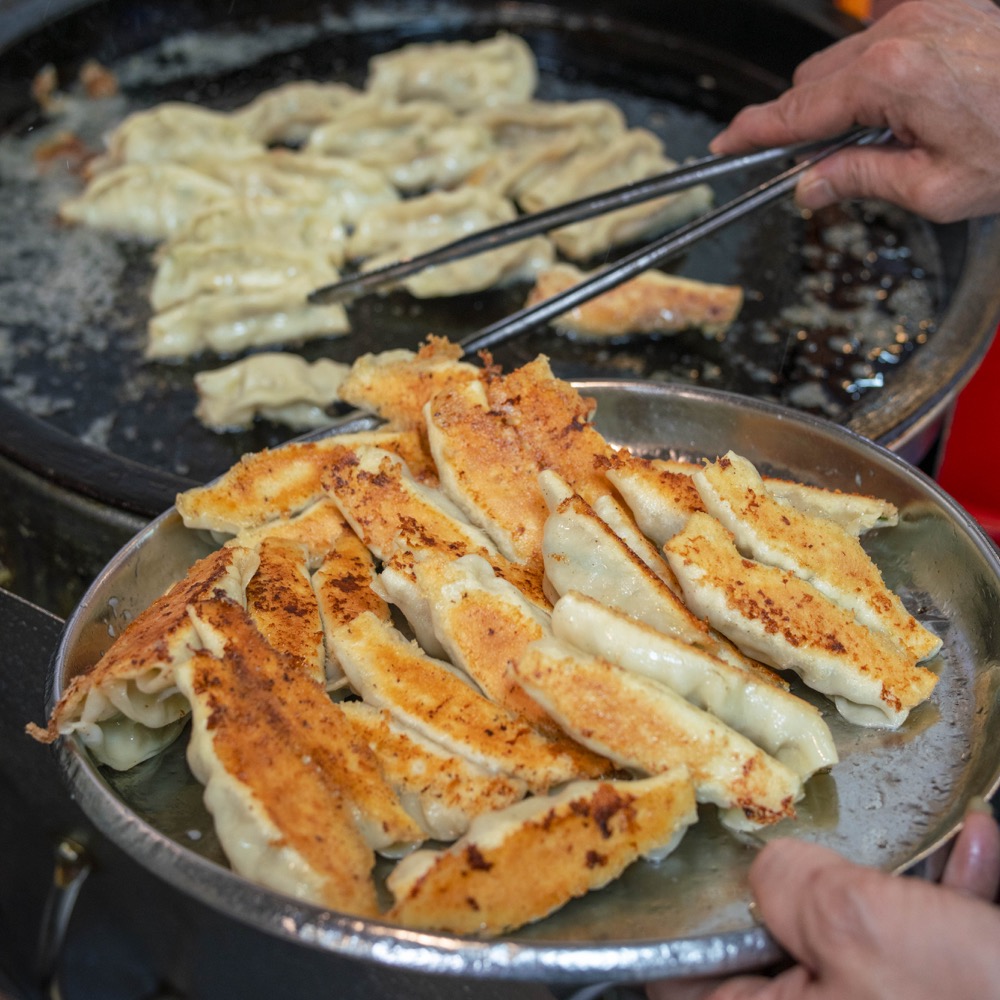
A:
(662, 249)
(697, 172)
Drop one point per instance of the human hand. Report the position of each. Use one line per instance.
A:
(861, 934)
(929, 70)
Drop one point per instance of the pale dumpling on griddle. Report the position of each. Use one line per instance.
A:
(288, 113)
(462, 75)
(633, 156)
(286, 223)
(418, 145)
(536, 137)
(284, 388)
(176, 132)
(150, 200)
(527, 124)
(334, 182)
(388, 233)
(187, 270)
(230, 324)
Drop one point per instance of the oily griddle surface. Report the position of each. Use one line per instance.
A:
(834, 305)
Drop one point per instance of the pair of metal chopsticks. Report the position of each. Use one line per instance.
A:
(657, 252)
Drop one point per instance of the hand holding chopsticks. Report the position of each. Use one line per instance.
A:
(651, 255)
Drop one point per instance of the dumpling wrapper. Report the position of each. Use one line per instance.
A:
(788, 728)
(127, 707)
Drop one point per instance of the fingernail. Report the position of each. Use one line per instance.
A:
(977, 804)
(814, 192)
(755, 912)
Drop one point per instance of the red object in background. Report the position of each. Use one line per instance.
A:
(970, 469)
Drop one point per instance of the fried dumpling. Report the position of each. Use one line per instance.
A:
(393, 514)
(462, 75)
(317, 528)
(652, 302)
(621, 522)
(442, 790)
(281, 482)
(396, 384)
(149, 200)
(307, 845)
(390, 510)
(662, 496)
(484, 469)
(388, 233)
(580, 838)
(553, 424)
(786, 622)
(644, 725)
(127, 707)
(343, 584)
(660, 499)
(788, 728)
(229, 323)
(283, 388)
(287, 707)
(484, 624)
(813, 548)
(632, 156)
(440, 702)
(281, 603)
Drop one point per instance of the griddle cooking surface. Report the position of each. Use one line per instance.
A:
(834, 306)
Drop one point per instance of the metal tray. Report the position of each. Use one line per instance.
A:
(863, 314)
(893, 798)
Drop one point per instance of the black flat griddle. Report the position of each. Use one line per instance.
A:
(837, 305)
